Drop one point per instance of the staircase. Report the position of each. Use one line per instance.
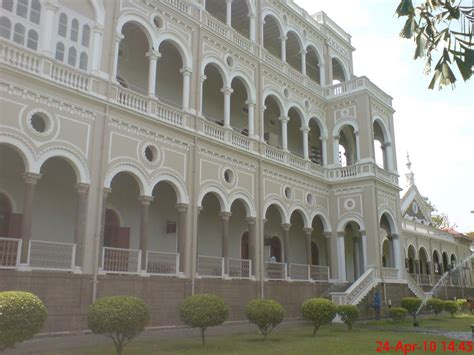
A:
(358, 290)
(416, 289)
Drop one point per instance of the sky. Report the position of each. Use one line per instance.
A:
(435, 127)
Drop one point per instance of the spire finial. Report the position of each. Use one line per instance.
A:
(410, 176)
(408, 162)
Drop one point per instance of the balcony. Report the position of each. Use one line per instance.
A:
(210, 266)
(356, 85)
(275, 271)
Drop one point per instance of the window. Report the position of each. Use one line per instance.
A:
(86, 33)
(7, 5)
(83, 61)
(22, 8)
(32, 42)
(35, 11)
(5, 27)
(59, 51)
(19, 34)
(62, 28)
(71, 60)
(74, 30)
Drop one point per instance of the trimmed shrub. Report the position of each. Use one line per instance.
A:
(451, 307)
(319, 311)
(398, 314)
(265, 314)
(349, 314)
(203, 311)
(462, 303)
(120, 318)
(435, 305)
(22, 315)
(411, 304)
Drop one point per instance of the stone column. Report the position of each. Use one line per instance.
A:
(283, 47)
(341, 256)
(305, 131)
(252, 242)
(363, 238)
(202, 79)
(284, 133)
(106, 192)
(309, 257)
(47, 27)
(303, 61)
(153, 57)
(228, 13)
(96, 48)
(336, 150)
(357, 157)
(186, 86)
(225, 216)
(356, 246)
(253, 33)
(327, 240)
(251, 109)
(286, 241)
(30, 179)
(227, 92)
(182, 218)
(114, 72)
(144, 228)
(324, 151)
(82, 191)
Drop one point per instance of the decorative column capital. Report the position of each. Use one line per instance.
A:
(286, 226)
(186, 71)
(251, 220)
(119, 37)
(153, 54)
(202, 78)
(31, 178)
(182, 207)
(82, 188)
(227, 91)
(250, 103)
(106, 191)
(145, 200)
(303, 52)
(97, 29)
(341, 234)
(264, 220)
(284, 119)
(51, 5)
(225, 215)
(305, 129)
(327, 235)
(308, 231)
(283, 37)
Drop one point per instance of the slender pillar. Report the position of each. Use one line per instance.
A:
(284, 133)
(202, 79)
(364, 248)
(96, 48)
(309, 257)
(303, 61)
(251, 110)
(144, 227)
(118, 39)
(152, 60)
(357, 157)
(47, 26)
(30, 179)
(341, 256)
(324, 151)
(225, 216)
(327, 240)
(182, 218)
(356, 246)
(305, 132)
(227, 92)
(283, 47)
(335, 145)
(186, 86)
(82, 191)
(253, 34)
(105, 194)
(228, 13)
(252, 242)
(286, 241)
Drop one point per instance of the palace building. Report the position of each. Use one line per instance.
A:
(162, 148)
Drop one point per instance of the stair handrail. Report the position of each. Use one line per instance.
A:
(360, 285)
(416, 289)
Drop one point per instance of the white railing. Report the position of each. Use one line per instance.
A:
(273, 61)
(387, 175)
(160, 263)
(299, 272)
(132, 100)
(170, 115)
(319, 273)
(70, 77)
(45, 255)
(415, 287)
(358, 290)
(276, 271)
(240, 141)
(389, 273)
(121, 261)
(210, 266)
(10, 251)
(275, 154)
(19, 57)
(214, 131)
(298, 162)
(178, 4)
(324, 19)
(354, 85)
(239, 268)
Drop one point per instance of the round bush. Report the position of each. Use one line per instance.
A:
(462, 303)
(265, 314)
(349, 314)
(319, 311)
(411, 304)
(451, 307)
(203, 311)
(398, 314)
(22, 315)
(121, 318)
(435, 305)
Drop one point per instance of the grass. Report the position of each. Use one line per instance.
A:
(462, 322)
(334, 339)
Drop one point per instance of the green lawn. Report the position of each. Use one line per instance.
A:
(334, 339)
(461, 322)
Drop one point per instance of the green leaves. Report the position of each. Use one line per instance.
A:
(319, 311)
(405, 8)
(265, 314)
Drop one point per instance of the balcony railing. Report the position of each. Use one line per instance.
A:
(389, 273)
(10, 250)
(121, 261)
(210, 266)
(160, 263)
(240, 268)
(276, 271)
(319, 273)
(45, 255)
(299, 272)
(355, 85)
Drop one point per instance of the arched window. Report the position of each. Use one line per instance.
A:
(22, 8)
(74, 30)
(59, 51)
(7, 5)
(5, 27)
(19, 34)
(62, 27)
(86, 33)
(32, 42)
(71, 58)
(35, 11)
(83, 61)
